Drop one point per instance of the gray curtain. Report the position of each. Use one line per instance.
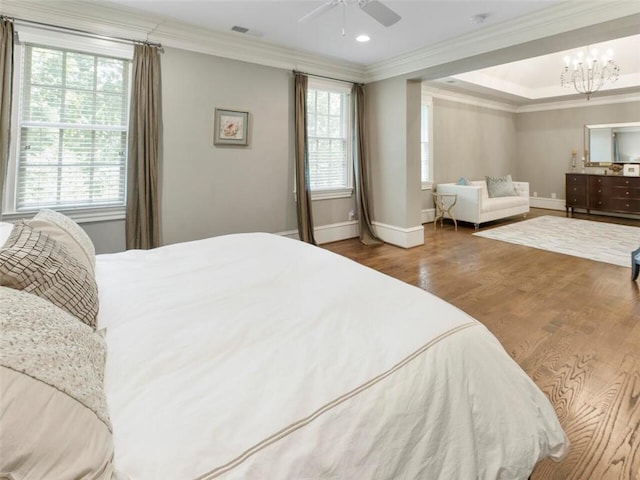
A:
(6, 75)
(360, 167)
(303, 189)
(142, 227)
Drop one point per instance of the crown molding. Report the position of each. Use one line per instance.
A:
(119, 22)
(469, 99)
(85, 16)
(238, 47)
(105, 19)
(580, 103)
(442, 94)
(555, 20)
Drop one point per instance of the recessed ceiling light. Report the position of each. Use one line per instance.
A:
(363, 38)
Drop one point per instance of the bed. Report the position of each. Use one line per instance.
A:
(255, 356)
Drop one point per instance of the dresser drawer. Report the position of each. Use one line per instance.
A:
(613, 181)
(574, 179)
(576, 199)
(622, 205)
(615, 192)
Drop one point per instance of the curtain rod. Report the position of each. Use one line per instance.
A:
(327, 78)
(84, 33)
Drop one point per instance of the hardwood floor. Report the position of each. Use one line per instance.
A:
(572, 324)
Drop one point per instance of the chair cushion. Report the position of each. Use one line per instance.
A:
(502, 203)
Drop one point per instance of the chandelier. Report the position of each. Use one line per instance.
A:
(588, 73)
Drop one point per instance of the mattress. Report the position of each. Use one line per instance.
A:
(254, 356)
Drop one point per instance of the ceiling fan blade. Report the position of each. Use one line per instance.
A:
(325, 7)
(379, 12)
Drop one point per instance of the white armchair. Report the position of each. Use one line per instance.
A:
(474, 205)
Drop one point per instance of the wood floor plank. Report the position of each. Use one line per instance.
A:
(572, 324)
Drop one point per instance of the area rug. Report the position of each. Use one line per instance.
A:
(599, 241)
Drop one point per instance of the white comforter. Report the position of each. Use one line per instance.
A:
(253, 356)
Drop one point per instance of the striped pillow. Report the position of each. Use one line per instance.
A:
(32, 261)
(75, 232)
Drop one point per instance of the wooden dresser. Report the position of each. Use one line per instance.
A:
(605, 193)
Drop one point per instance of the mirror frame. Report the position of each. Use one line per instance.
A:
(586, 142)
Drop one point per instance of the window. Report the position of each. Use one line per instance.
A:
(426, 147)
(69, 149)
(329, 139)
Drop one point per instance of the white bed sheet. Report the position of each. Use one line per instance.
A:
(254, 356)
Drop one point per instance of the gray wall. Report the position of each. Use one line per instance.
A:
(393, 117)
(472, 141)
(209, 190)
(545, 140)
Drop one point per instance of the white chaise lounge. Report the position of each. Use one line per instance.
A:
(474, 205)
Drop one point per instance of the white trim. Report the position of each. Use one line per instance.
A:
(580, 103)
(559, 204)
(336, 231)
(547, 203)
(67, 41)
(428, 215)
(106, 214)
(469, 99)
(123, 22)
(402, 237)
(328, 233)
(289, 234)
(555, 20)
(330, 194)
(120, 21)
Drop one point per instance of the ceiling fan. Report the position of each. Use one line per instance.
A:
(377, 10)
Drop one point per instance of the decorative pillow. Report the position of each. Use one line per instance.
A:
(74, 230)
(32, 261)
(463, 181)
(55, 422)
(63, 237)
(500, 186)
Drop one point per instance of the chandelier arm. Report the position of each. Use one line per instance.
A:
(589, 75)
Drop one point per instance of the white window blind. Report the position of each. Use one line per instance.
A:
(73, 118)
(329, 136)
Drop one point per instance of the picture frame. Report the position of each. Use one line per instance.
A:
(231, 127)
(631, 170)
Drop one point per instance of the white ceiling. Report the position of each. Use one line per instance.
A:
(426, 25)
(424, 22)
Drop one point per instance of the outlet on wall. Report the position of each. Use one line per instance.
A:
(553, 195)
(535, 194)
(352, 214)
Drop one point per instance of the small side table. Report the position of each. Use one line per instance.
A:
(444, 203)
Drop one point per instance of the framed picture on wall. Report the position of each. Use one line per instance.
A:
(231, 127)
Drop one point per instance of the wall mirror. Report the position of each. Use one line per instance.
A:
(612, 143)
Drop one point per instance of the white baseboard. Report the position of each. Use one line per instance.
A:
(548, 203)
(329, 233)
(336, 231)
(402, 237)
(428, 215)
